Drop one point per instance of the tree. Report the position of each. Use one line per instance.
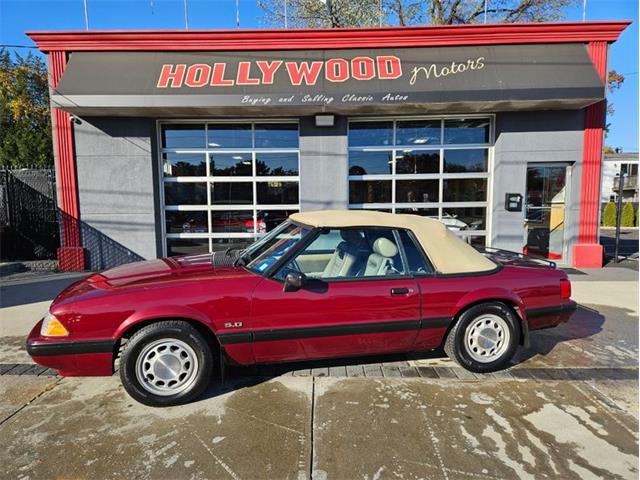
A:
(627, 215)
(25, 121)
(609, 215)
(366, 13)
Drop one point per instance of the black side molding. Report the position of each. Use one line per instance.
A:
(550, 311)
(331, 330)
(70, 348)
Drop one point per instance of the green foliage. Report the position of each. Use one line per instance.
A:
(609, 215)
(25, 121)
(366, 13)
(627, 215)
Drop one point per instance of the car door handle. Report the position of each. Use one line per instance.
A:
(401, 291)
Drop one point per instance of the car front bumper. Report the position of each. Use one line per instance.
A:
(71, 357)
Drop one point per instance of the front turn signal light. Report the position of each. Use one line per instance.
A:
(52, 327)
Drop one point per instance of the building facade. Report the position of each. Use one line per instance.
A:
(179, 142)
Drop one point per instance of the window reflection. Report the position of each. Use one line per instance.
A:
(184, 164)
(418, 132)
(185, 193)
(370, 133)
(232, 221)
(423, 212)
(276, 135)
(370, 191)
(411, 191)
(465, 190)
(276, 164)
(183, 136)
(277, 193)
(474, 130)
(469, 218)
(414, 162)
(369, 163)
(231, 192)
(229, 136)
(187, 246)
(463, 161)
(186, 222)
(231, 164)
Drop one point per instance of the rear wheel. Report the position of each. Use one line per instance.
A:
(485, 338)
(166, 363)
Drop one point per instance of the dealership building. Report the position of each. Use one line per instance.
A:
(180, 142)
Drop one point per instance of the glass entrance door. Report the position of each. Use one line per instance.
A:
(545, 210)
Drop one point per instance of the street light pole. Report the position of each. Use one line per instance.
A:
(186, 15)
(86, 16)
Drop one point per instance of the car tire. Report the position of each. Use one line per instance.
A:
(484, 338)
(166, 363)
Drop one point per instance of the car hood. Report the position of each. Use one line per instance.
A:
(148, 273)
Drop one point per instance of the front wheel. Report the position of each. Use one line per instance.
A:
(485, 338)
(166, 363)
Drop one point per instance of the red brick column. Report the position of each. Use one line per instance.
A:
(587, 253)
(70, 254)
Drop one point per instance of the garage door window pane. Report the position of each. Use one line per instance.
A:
(184, 165)
(415, 162)
(186, 222)
(465, 190)
(276, 135)
(372, 191)
(232, 221)
(471, 218)
(231, 193)
(370, 163)
(276, 164)
(464, 161)
(231, 164)
(185, 193)
(183, 136)
(187, 246)
(229, 136)
(410, 191)
(423, 212)
(475, 130)
(418, 132)
(277, 193)
(370, 134)
(269, 219)
(222, 244)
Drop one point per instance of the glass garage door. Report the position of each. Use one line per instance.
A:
(435, 167)
(226, 183)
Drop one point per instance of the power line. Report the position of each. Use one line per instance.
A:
(17, 46)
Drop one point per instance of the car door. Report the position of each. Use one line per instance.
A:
(351, 304)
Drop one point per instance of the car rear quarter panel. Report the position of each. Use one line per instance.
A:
(444, 297)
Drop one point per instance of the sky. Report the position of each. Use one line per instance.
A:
(18, 16)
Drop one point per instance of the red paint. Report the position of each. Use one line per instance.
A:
(71, 254)
(307, 39)
(243, 75)
(389, 67)
(198, 75)
(304, 72)
(588, 253)
(171, 76)
(105, 306)
(217, 78)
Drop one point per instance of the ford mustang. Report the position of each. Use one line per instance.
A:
(321, 284)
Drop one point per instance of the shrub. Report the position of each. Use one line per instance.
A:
(627, 215)
(609, 215)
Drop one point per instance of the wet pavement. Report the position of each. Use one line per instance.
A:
(568, 408)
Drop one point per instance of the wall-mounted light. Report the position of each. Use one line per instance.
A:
(324, 120)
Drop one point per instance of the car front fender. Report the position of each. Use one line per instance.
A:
(164, 312)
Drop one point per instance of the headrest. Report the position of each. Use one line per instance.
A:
(352, 236)
(385, 247)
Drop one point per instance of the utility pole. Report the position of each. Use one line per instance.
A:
(584, 10)
(86, 16)
(237, 13)
(286, 16)
(186, 15)
(619, 212)
(380, 13)
(485, 10)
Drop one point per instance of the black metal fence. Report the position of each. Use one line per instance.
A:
(28, 215)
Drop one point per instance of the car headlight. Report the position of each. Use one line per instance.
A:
(51, 327)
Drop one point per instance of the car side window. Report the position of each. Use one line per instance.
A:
(349, 253)
(417, 263)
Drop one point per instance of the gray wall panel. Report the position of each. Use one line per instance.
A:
(525, 137)
(323, 165)
(117, 183)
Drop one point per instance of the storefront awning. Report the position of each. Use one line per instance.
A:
(363, 81)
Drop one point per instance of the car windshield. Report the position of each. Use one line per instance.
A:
(268, 250)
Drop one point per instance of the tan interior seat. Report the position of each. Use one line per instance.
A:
(346, 255)
(379, 262)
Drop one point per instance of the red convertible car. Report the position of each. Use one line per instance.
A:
(321, 284)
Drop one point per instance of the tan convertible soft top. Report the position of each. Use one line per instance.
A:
(447, 252)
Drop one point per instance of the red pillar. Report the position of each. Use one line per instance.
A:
(71, 253)
(587, 253)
